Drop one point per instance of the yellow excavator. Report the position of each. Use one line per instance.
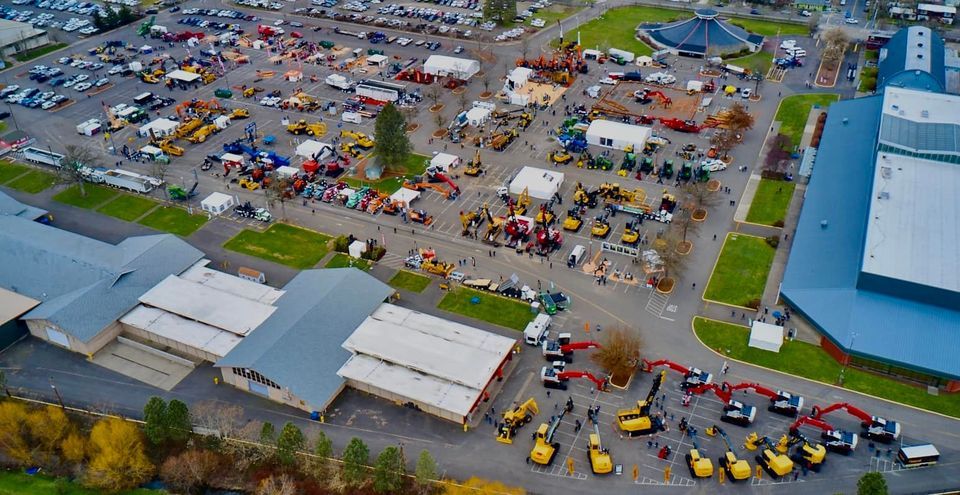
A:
(249, 184)
(600, 460)
(560, 157)
(115, 123)
(545, 216)
(637, 421)
(808, 454)
(201, 134)
(601, 227)
(573, 222)
(523, 202)
(474, 168)
(240, 113)
(700, 466)
(169, 148)
(494, 227)
(775, 464)
(514, 419)
(361, 139)
(187, 128)
(737, 469)
(311, 129)
(470, 221)
(544, 448)
(630, 233)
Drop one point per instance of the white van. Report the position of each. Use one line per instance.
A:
(351, 117)
(796, 52)
(537, 329)
(576, 256)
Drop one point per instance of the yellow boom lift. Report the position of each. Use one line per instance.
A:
(637, 421)
(544, 448)
(600, 460)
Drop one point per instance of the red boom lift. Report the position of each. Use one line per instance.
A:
(562, 349)
(692, 377)
(843, 442)
(874, 427)
(553, 378)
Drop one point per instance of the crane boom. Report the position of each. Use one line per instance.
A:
(566, 375)
(818, 413)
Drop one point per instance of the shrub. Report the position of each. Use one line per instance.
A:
(374, 254)
(341, 244)
(773, 241)
(754, 303)
(778, 223)
(772, 175)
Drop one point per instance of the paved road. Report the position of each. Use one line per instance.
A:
(664, 323)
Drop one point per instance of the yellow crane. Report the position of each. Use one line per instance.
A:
(700, 466)
(637, 421)
(544, 448)
(514, 419)
(601, 462)
(737, 469)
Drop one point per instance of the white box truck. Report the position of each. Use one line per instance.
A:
(339, 81)
(128, 180)
(537, 329)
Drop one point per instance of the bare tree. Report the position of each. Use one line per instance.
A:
(673, 262)
(217, 416)
(279, 190)
(463, 99)
(684, 224)
(278, 484)
(724, 140)
(74, 166)
(440, 120)
(738, 118)
(434, 94)
(620, 353)
(158, 169)
(699, 196)
(835, 43)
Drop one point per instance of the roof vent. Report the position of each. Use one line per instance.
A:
(845, 121)
(920, 32)
(884, 195)
(925, 113)
(886, 172)
(895, 107)
(920, 44)
(823, 224)
(919, 55)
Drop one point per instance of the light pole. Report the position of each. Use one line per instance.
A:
(853, 338)
(57, 392)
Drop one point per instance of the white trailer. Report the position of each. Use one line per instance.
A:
(338, 81)
(130, 181)
(380, 91)
(90, 127)
(38, 155)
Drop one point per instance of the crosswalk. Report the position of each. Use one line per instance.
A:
(657, 303)
(674, 481)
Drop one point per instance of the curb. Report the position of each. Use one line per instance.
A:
(835, 387)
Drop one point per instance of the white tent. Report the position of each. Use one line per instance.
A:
(445, 161)
(644, 61)
(540, 183)
(217, 203)
(160, 127)
(377, 60)
(766, 336)
(518, 77)
(460, 68)
(617, 135)
(310, 148)
(356, 249)
(184, 76)
(477, 116)
(514, 84)
(405, 196)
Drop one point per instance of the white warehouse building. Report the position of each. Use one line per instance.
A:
(442, 66)
(617, 135)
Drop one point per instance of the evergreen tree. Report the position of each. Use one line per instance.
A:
(390, 133)
(154, 417)
(872, 484)
(290, 441)
(355, 458)
(426, 471)
(268, 433)
(177, 421)
(388, 471)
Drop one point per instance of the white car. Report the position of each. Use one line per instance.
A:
(102, 82)
(713, 165)
(788, 44)
(47, 105)
(746, 93)
(116, 69)
(81, 77)
(270, 101)
(851, 20)
(607, 80)
(82, 86)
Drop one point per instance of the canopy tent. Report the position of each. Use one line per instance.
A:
(183, 76)
(314, 150)
(405, 196)
(160, 127)
(217, 203)
(445, 161)
(617, 135)
(766, 336)
(539, 183)
(477, 116)
(442, 65)
(644, 61)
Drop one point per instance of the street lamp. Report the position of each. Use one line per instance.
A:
(853, 338)
(56, 392)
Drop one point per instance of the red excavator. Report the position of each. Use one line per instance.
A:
(692, 377)
(680, 125)
(839, 441)
(553, 378)
(734, 412)
(562, 349)
(781, 402)
(874, 427)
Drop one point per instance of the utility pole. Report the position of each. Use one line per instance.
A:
(57, 392)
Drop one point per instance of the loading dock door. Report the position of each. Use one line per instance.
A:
(58, 337)
(258, 388)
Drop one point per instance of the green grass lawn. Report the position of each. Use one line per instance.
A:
(794, 110)
(868, 79)
(771, 201)
(127, 207)
(9, 170)
(741, 271)
(341, 260)
(551, 15)
(414, 165)
(409, 281)
(33, 182)
(15, 483)
(770, 28)
(96, 196)
(284, 244)
(759, 61)
(38, 52)
(498, 310)
(174, 220)
(810, 361)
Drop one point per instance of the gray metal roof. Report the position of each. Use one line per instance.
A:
(914, 58)
(10, 206)
(920, 136)
(299, 345)
(823, 271)
(84, 284)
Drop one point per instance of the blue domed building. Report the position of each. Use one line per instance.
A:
(702, 34)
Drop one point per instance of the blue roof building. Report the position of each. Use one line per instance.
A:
(874, 264)
(913, 58)
(704, 33)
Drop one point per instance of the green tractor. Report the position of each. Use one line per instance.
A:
(604, 163)
(178, 193)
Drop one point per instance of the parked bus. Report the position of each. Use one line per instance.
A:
(918, 455)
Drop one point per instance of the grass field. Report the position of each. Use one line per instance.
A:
(12, 483)
(771, 202)
(414, 165)
(341, 260)
(759, 61)
(770, 28)
(96, 196)
(741, 271)
(127, 207)
(810, 361)
(174, 220)
(39, 52)
(794, 110)
(551, 15)
(410, 281)
(498, 310)
(284, 244)
(33, 182)
(10, 170)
